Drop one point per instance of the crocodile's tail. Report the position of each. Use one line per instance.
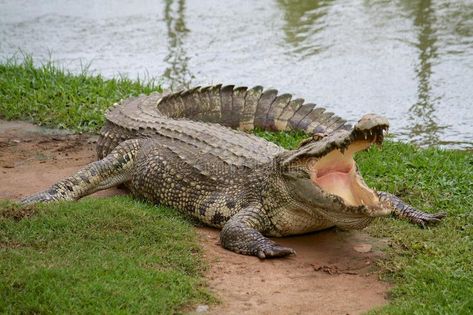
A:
(239, 108)
(246, 109)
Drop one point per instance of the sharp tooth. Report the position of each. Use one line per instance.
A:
(366, 136)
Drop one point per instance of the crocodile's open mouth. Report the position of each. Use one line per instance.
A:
(336, 173)
(330, 163)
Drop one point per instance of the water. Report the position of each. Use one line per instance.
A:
(411, 61)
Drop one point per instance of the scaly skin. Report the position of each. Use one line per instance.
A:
(171, 149)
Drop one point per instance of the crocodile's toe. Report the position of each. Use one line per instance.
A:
(429, 218)
(275, 251)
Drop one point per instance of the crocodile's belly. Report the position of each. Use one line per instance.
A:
(296, 222)
(293, 222)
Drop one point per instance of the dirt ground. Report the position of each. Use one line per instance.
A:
(332, 273)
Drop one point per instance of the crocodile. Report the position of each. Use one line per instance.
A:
(190, 150)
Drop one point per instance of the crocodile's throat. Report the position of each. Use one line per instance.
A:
(336, 174)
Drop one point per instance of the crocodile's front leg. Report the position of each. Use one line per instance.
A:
(242, 235)
(112, 170)
(403, 210)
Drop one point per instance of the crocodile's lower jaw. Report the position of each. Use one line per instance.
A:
(336, 174)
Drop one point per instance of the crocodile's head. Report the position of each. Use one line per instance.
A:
(322, 176)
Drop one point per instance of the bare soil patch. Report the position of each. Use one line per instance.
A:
(332, 273)
(17, 212)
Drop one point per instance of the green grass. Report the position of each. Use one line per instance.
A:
(113, 255)
(118, 255)
(50, 96)
(432, 269)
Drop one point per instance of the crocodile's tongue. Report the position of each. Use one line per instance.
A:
(336, 174)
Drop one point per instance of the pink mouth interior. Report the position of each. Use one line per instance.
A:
(336, 174)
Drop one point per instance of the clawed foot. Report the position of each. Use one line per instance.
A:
(403, 210)
(275, 251)
(428, 218)
(242, 239)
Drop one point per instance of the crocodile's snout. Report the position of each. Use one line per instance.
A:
(370, 121)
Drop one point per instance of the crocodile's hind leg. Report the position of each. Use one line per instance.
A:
(110, 171)
(242, 235)
(402, 210)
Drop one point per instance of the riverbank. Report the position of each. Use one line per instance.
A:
(430, 269)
